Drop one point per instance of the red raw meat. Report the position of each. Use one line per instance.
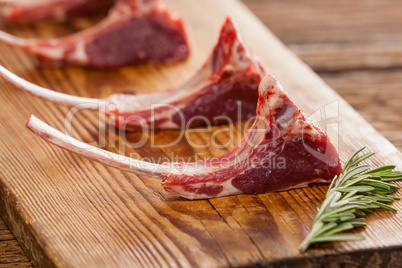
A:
(224, 90)
(27, 11)
(134, 32)
(282, 150)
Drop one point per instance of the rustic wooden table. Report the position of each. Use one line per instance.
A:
(354, 46)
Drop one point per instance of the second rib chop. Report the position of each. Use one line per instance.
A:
(224, 90)
(27, 11)
(282, 150)
(134, 32)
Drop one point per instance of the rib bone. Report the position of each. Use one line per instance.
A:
(226, 87)
(280, 132)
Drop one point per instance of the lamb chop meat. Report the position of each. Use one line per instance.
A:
(225, 89)
(134, 32)
(28, 11)
(280, 132)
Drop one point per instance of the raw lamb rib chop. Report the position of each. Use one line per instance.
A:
(134, 32)
(281, 133)
(224, 89)
(27, 11)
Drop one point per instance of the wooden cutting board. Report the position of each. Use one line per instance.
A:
(68, 211)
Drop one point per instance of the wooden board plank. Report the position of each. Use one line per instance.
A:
(343, 21)
(11, 253)
(375, 95)
(355, 56)
(339, 35)
(81, 213)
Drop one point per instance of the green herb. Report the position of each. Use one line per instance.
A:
(356, 192)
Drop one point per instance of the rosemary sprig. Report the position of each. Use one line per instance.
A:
(356, 192)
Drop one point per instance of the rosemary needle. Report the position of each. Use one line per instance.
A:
(357, 191)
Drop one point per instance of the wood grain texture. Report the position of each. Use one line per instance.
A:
(337, 35)
(375, 95)
(11, 252)
(83, 213)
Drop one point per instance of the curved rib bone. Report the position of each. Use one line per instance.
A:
(14, 40)
(27, 11)
(70, 144)
(47, 94)
(281, 133)
(229, 79)
(134, 32)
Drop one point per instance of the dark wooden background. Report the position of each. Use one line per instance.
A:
(355, 46)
